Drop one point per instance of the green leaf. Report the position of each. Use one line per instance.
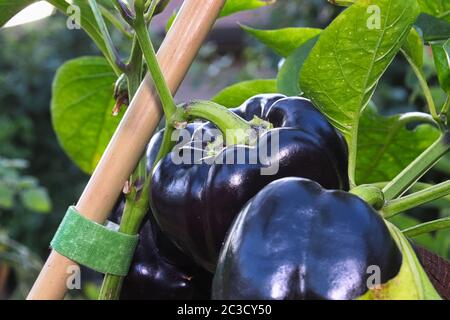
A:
(432, 28)
(441, 54)
(27, 183)
(235, 6)
(36, 199)
(413, 48)
(9, 8)
(288, 79)
(437, 8)
(342, 71)
(411, 283)
(283, 41)
(81, 108)
(6, 196)
(386, 146)
(238, 93)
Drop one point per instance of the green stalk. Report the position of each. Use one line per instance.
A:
(353, 153)
(235, 129)
(370, 194)
(446, 108)
(444, 14)
(115, 21)
(137, 203)
(430, 194)
(111, 52)
(425, 88)
(167, 101)
(134, 68)
(427, 227)
(412, 173)
(136, 207)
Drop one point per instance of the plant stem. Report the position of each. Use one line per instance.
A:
(446, 107)
(427, 227)
(132, 216)
(417, 168)
(444, 14)
(352, 156)
(397, 206)
(112, 54)
(164, 93)
(134, 68)
(425, 88)
(151, 5)
(370, 194)
(136, 207)
(137, 203)
(119, 24)
(235, 129)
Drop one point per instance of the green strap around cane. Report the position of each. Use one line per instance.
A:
(94, 245)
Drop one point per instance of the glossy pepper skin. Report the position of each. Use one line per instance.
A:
(194, 204)
(159, 270)
(296, 240)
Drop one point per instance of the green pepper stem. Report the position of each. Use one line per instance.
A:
(235, 129)
(111, 52)
(134, 68)
(136, 207)
(427, 227)
(432, 193)
(137, 204)
(148, 50)
(370, 194)
(446, 106)
(116, 22)
(425, 88)
(412, 173)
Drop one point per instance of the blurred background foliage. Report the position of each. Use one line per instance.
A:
(38, 181)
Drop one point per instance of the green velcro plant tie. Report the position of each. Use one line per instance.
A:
(94, 245)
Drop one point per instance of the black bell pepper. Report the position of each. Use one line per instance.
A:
(159, 270)
(195, 203)
(296, 240)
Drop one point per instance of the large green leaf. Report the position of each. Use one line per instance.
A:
(343, 69)
(235, 6)
(6, 196)
(411, 283)
(236, 94)
(386, 146)
(82, 106)
(283, 41)
(437, 8)
(289, 75)
(9, 8)
(432, 28)
(441, 54)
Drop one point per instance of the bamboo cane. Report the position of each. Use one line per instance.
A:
(175, 56)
